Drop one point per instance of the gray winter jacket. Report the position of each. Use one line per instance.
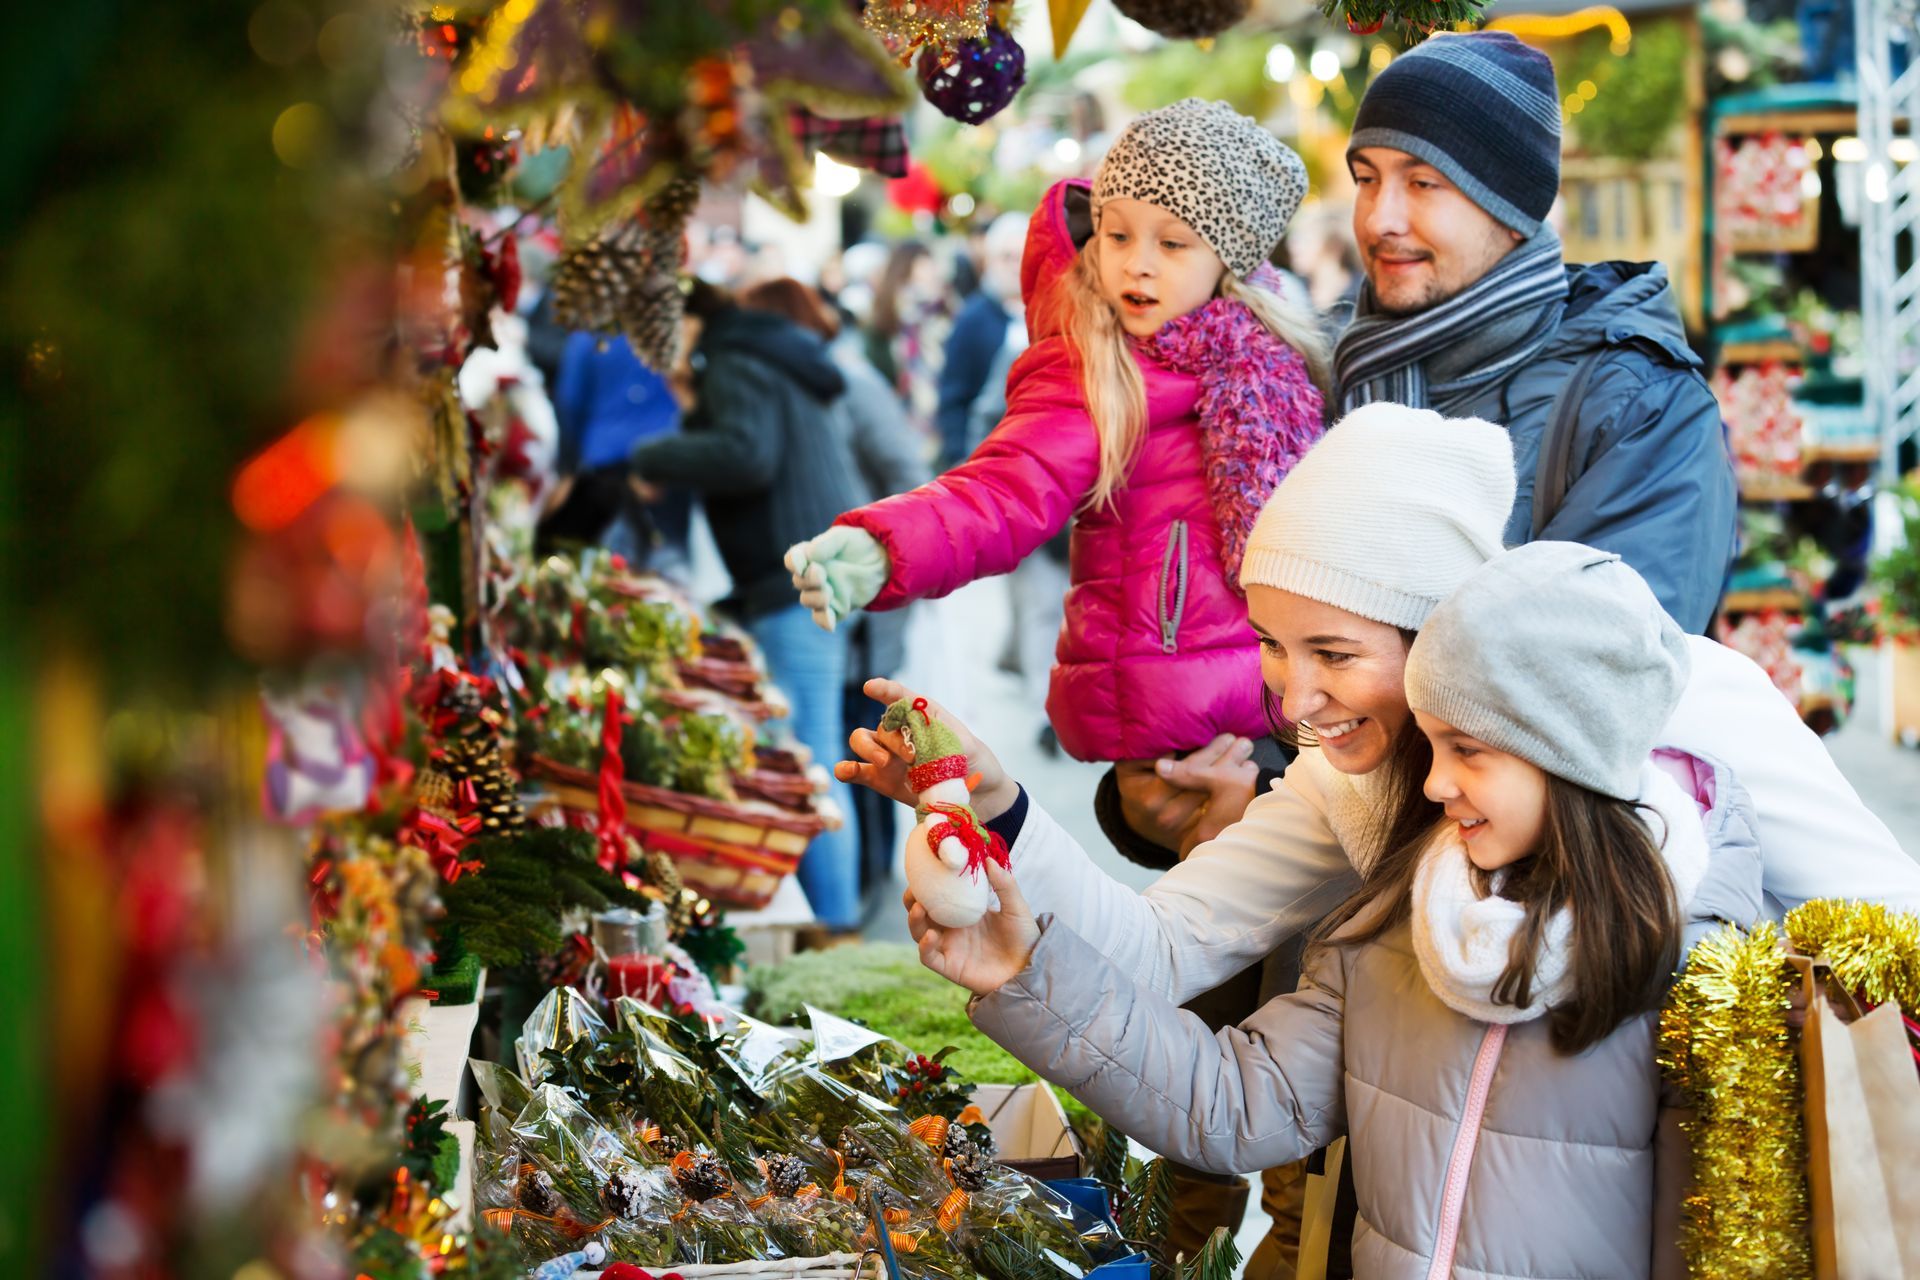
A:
(1575, 1168)
(1650, 475)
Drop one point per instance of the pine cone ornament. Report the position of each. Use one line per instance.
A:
(661, 875)
(666, 1146)
(701, 1177)
(1185, 19)
(624, 1193)
(855, 1149)
(628, 280)
(968, 1166)
(478, 760)
(786, 1175)
(537, 1194)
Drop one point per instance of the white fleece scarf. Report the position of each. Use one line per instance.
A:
(1463, 940)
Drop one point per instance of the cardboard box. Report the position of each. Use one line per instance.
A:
(1030, 1131)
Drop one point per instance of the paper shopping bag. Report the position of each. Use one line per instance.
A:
(1863, 1136)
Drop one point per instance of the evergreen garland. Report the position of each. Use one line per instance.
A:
(1414, 20)
(508, 912)
(1217, 1259)
(1107, 1160)
(1148, 1214)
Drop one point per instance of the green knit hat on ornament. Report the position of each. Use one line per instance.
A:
(937, 754)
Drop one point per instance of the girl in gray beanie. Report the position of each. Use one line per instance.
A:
(1479, 1017)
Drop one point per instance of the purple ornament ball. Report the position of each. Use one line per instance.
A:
(976, 79)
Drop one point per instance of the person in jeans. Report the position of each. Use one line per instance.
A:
(760, 448)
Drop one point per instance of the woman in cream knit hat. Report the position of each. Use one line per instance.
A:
(1379, 523)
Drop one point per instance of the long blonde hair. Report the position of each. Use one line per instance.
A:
(1110, 379)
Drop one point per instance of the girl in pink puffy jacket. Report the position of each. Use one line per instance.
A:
(1167, 390)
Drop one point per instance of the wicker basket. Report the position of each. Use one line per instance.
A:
(736, 853)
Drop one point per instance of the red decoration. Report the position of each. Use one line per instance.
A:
(612, 828)
(643, 977)
(1367, 28)
(503, 269)
(917, 192)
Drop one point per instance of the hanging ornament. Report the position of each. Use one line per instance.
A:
(906, 24)
(628, 279)
(1414, 20)
(1064, 17)
(878, 143)
(974, 79)
(1185, 19)
(918, 192)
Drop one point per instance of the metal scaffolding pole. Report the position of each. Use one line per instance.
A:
(1887, 34)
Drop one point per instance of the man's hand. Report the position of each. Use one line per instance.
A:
(1177, 804)
(880, 760)
(986, 956)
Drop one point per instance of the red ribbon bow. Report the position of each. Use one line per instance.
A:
(980, 844)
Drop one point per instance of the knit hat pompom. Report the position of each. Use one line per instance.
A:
(1390, 512)
(1214, 169)
(1559, 654)
(1483, 109)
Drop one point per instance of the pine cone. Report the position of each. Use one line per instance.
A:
(660, 874)
(703, 1178)
(629, 279)
(969, 1167)
(1185, 19)
(855, 1149)
(624, 1193)
(537, 1194)
(494, 783)
(786, 1175)
(666, 1146)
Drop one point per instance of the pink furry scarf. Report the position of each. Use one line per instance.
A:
(1259, 410)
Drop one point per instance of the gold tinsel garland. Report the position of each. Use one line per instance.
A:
(1873, 951)
(1724, 1042)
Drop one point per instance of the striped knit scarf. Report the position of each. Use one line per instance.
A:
(1385, 357)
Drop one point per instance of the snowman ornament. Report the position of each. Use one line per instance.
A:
(949, 847)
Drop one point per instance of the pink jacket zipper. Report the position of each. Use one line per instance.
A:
(1461, 1162)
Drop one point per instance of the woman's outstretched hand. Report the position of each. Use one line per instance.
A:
(983, 957)
(880, 761)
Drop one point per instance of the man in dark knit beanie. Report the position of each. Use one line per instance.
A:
(1469, 309)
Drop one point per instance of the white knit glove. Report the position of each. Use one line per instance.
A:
(837, 572)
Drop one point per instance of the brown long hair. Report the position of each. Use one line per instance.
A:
(798, 302)
(1596, 860)
(886, 319)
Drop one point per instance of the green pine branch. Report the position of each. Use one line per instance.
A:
(508, 912)
(1148, 1215)
(1218, 1259)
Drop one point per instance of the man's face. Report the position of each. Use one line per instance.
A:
(1421, 240)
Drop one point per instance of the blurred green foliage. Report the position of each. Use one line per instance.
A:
(156, 268)
(1642, 93)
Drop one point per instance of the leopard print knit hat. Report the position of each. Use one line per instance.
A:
(1216, 170)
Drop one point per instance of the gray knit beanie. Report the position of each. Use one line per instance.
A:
(1559, 654)
(1481, 108)
(1214, 169)
(1387, 514)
